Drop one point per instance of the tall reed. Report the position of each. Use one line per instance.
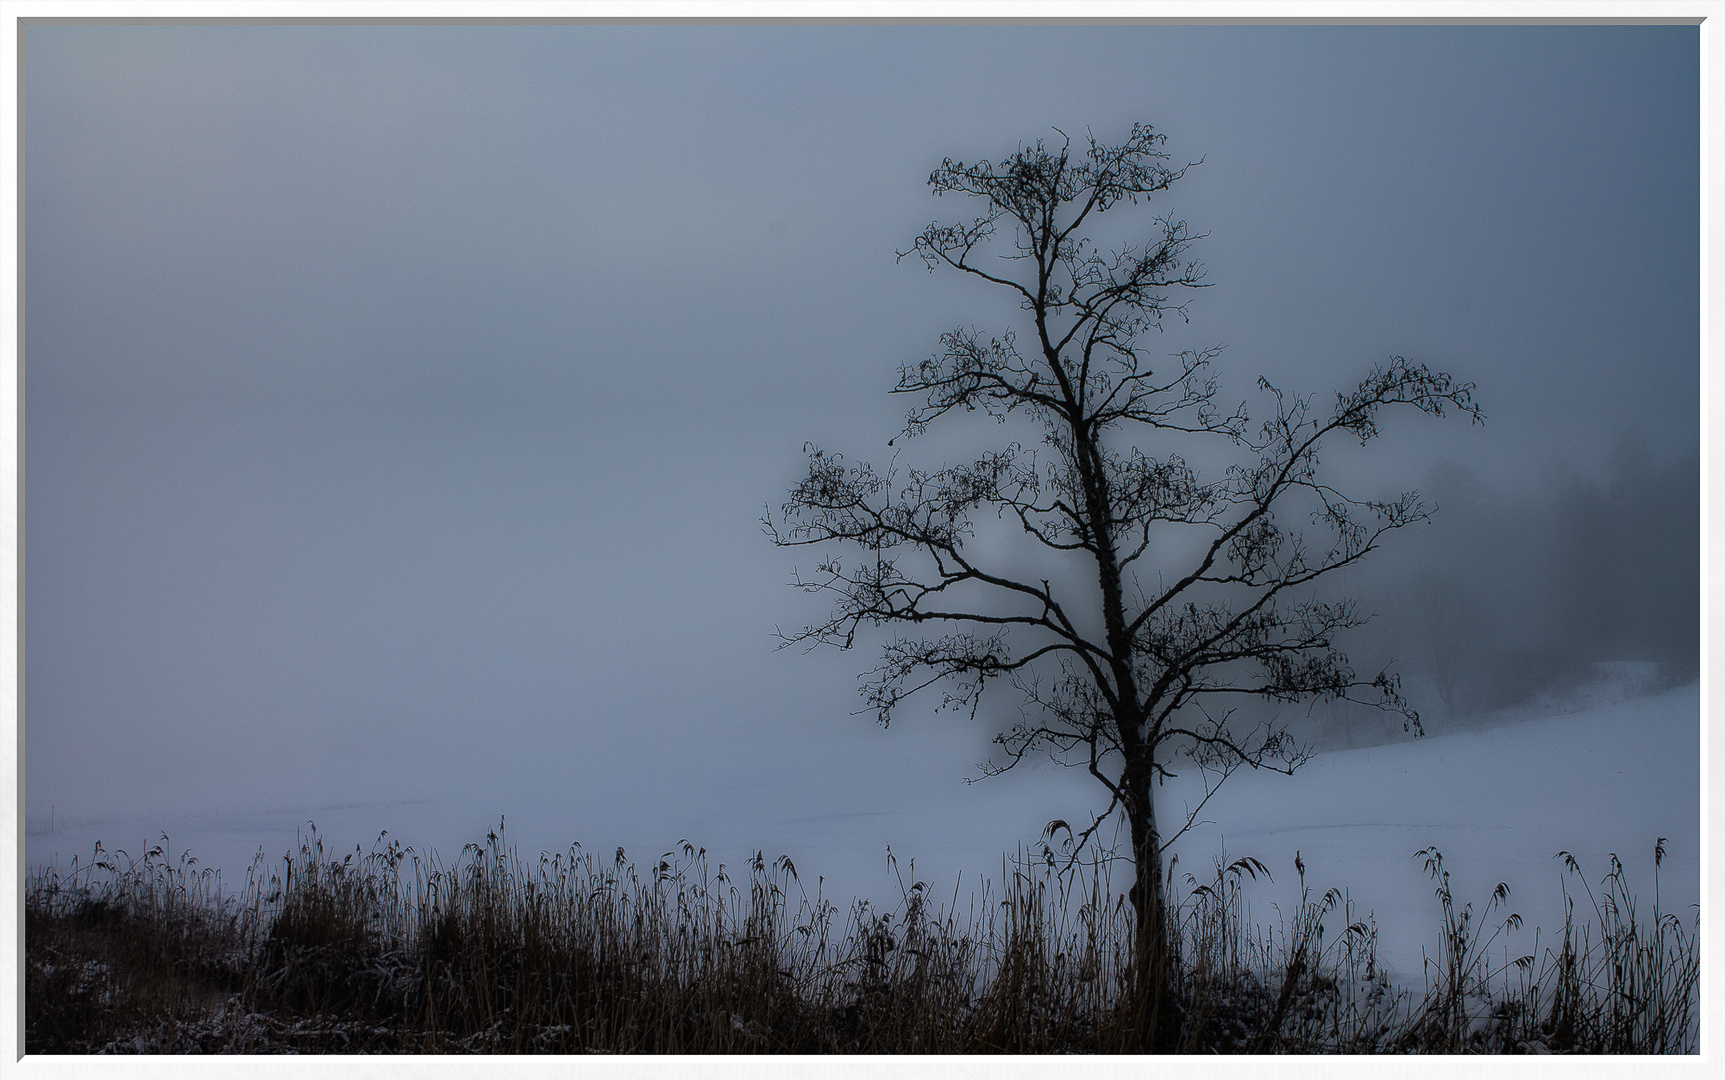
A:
(394, 950)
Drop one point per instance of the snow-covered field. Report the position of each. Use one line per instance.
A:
(1499, 803)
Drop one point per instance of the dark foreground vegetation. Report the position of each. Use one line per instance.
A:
(395, 952)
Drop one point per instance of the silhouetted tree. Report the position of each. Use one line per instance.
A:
(1198, 592)
(1448, 617)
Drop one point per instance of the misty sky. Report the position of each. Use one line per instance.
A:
(401, 402)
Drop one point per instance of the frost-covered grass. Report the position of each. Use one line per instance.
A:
(395, 951)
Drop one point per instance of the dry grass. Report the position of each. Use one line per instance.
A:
(394, 951)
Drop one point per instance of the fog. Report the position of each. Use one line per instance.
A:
(401, 402)
(1520, 593)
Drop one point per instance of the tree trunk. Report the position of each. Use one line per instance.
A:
(1153, 1012)
(1152, 1016)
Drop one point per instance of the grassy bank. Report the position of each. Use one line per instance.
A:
(396, 951)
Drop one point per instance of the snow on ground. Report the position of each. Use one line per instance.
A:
(1499, 803)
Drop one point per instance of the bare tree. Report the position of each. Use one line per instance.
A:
(1448, 617)
(1195, 594)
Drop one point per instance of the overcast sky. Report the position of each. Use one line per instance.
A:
(401, 402)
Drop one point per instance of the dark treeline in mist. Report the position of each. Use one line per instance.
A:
(1518, 595)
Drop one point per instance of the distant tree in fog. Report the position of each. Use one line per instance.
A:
(1194, 593)
(1444, 608)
